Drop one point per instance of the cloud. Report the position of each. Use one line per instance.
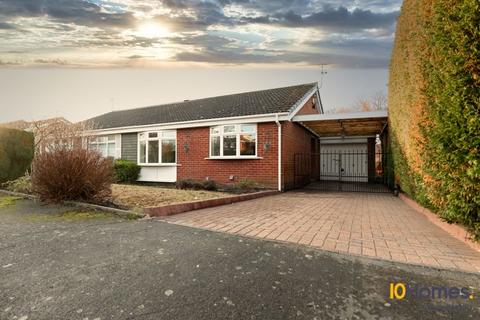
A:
(103, 39)
(8, 63)
(244, 57)
(72, 11)
(221, 50)
(339, 19)
(340, 32)
(190, 15)
(205, 41)
(59, 62)
(380, 48)
(139, 57)
(6, 26)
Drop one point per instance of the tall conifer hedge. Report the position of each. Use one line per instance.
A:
(16, 153)
(434, 103)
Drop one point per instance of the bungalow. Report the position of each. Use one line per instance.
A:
(251, 135)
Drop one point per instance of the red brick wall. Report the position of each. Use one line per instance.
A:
(308, 107)
(193, 165)
(297, 139)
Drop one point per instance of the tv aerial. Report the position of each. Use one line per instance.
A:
(322, 73)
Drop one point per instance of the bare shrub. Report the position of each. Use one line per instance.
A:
(66, 173)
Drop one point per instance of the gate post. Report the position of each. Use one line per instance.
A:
(371, 154)
(340, 169)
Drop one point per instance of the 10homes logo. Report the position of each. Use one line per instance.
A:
(400, 291)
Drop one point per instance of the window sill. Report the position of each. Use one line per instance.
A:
(159, 164)
(235, 158)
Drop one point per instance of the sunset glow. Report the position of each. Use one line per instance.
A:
(152, 30)
(148, 51)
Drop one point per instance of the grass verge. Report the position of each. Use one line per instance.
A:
(8, 201)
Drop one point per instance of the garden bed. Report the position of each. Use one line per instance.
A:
(137, 196)
(165, 201)
(153, 199)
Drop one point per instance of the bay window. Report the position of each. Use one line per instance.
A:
(105, 145)
(236, 140)
(157, 147)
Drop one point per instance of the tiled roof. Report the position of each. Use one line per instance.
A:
(235, 105)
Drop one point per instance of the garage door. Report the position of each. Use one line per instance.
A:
(344, 162)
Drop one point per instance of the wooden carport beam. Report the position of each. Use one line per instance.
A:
(345, 124)
(342, 128)
(341, 116)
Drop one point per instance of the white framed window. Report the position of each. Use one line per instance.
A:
(233, 141)
(106, 145)
(157, 147)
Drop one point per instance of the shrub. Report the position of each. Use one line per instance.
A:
(434, 99)
(72, 174)
(247, 184)
(16, 153)
(196, 185)
(22, 184)
(125, 171)
(210, 185)
(184, 184)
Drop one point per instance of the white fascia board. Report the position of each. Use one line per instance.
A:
(270, 117)
(300, 103)
(341, 116)
(320, 101)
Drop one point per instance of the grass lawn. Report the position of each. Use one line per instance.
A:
(6, 201)
(132, 196)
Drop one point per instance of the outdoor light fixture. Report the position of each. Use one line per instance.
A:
(266, 146)
(186, 147)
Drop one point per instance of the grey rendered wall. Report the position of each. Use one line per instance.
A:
(129, 146)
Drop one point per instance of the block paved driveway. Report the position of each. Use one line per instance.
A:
(375, 225)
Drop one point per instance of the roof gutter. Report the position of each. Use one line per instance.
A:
(268, 117)
(320, 100)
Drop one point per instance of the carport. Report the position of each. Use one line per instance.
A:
(352, 153)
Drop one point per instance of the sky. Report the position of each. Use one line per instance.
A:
(78, 59)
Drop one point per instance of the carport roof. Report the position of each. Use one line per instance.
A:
(345, 124)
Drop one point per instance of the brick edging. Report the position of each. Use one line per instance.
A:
(454, 230)
(172, 209)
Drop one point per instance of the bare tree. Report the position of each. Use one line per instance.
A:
(60, 134)
(342, 110)
(377, 101)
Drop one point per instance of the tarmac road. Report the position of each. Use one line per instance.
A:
(110, 268)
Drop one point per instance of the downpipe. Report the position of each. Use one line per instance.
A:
(279, 156)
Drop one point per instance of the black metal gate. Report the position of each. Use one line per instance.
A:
(345, 171)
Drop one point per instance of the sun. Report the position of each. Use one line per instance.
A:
(152, 29)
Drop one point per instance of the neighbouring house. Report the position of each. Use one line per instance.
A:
(273, 137)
